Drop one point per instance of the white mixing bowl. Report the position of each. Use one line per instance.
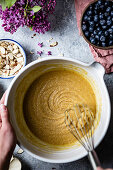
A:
(94, 73)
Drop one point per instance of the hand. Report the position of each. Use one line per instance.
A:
(103, 169)
(7, 137)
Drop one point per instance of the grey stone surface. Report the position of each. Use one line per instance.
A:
(64, 30)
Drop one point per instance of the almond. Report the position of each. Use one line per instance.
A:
(2, 50)
(54, 44)
(15, 46)
(10, 47)
(10, 55)
(20, 151)
(19, 55)
(15, 51)
(20, 59)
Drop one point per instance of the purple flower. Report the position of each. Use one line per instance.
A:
(39, 53)
(40, 44)
(49, 53)
(17, 16)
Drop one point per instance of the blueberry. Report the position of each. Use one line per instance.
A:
(111, 37)
(91, 29)
(109, 18)
(97, 25)
(86, 33)
(109, 22)
(98, 29)
(102, 38)
(95, 11)
(96, 7)
(99, 2)
(92, 35)
(84, 27)
(99, 33)
(92, 40)
(112, 26)
(108, 9)
(85, 18)
(106, 3)
(89, 18)
(101, 16)
(96, 18)
(89, 13)
(102, 22)
(102, 7)
(104, 27)
(98, 44)
(106, 14)
(110, 42)
(111, 13)
(103, 44)
(92, 23)
(95, 32)
(110, 30)
(90, 7)
(97, 37)
(106, 33)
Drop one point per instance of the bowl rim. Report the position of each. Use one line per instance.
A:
(25, 58)
(66, 59)
(98, 47)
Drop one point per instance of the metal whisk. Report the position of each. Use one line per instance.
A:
(80, 121)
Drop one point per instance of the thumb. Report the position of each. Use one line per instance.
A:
(4, 115)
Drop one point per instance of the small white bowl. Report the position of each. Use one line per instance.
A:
(94, 71)
(22, 51)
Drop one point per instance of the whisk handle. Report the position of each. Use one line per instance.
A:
(94, 159)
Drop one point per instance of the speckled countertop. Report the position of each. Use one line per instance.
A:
(64, 30)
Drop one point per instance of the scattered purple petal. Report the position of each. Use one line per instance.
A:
(49, 53)
(39, 53)
(40, 44)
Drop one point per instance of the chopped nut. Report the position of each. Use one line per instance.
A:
(10, 47)
(0, 59)
(3, 56)
(19, 55)
(31, 52)
(15, 51)
(15, 46)
(6, 73)
(61, 54)
(1, 72)
(12, 64)
(18, 67)
(20, 151)
(10, 55)
(2, 50)
(54, 44)
(1, 65)
(20, 59)
(7, 67)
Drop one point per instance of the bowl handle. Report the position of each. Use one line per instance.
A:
(99, 68)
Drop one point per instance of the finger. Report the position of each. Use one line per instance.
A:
(4, 115)
(3, 98)
(99, 168)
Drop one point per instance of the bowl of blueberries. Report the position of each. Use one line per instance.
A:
(97, 24)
